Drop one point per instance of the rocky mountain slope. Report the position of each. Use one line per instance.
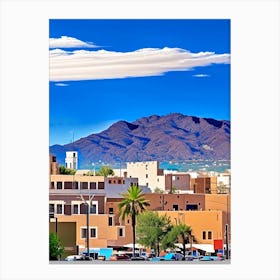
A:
(173, 137)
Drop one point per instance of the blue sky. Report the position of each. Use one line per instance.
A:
(102, 71)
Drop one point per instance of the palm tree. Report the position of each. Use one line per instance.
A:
(181, 232)
(132, 204)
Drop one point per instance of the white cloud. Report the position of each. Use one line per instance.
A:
(102, 64)
(201, 75)
(69, 42)
(61, 84)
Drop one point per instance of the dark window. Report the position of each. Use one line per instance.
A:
(84, 233)
(93, 232)
(75, 209)
(123, 181)
(204, 235)
(84, 185)
(209, 234)
(101, 185)
(52, 185)
(59, 185)
(74, 154)
(120, 231)
(191, 207)
(75, 185)
(119, 181)
(59, 208)
(67, 209)
(111, 210)
(175, 207)
(110, 181)
(110, 221)
(146, 175)
(93, 209)
(68, 185)
(131, 184)
(51, 208)
(92, 185)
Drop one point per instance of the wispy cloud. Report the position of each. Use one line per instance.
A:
(69, 42)
(61, 84)
(201, 75)
(102, 64)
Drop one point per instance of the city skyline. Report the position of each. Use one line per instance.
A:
(103, 71)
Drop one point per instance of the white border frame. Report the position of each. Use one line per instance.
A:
(255, 132)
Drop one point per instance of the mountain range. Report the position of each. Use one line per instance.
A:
(173, 137)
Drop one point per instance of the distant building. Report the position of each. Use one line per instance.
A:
(54, 169)
(148, 173)
(71, 160)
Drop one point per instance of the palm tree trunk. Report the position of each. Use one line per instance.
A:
(133, 233)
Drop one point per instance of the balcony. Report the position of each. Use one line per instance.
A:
(76, 191)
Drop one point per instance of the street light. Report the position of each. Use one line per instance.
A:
(87, 213)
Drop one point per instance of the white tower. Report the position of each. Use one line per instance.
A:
(71, 160)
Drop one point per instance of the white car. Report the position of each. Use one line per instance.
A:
(78, 258)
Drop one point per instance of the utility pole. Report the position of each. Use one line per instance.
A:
(87, 213)
(227, 250)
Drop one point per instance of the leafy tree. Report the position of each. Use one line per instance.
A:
(152, 228)
(158, 190)
(105, 171)
(55, 247)
(179, 233)
(66, 171)
(174, 190)
(132, 204)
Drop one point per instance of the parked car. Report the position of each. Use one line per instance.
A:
(116, 257)
(78, 258)
(138, 259)
(173, 257)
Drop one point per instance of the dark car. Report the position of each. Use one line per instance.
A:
(138, 259)
(119, 258)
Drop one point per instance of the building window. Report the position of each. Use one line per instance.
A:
(51, 208)
(59, 185)
(204, 235)
(111, 210)
(84, 185)
(131, 184)
(175, 207)
(110, 181)
(92, 230)
(147, 185)
(59, 208)
(68, 185)
(119, 181)
(52, 185)
(75, 209)
(190, 207)
(83, 233)
(75, 185)
(93, 233)
(147, 176)
(121, 232)
(101, 185)
(209, 234)
(93, 209)
(110, 221)
(146, 167)
(92, 185)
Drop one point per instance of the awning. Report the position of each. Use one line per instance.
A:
(209, 248)
(137, 246)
